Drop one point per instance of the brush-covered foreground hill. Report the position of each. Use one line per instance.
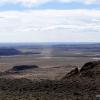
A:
(86, 80)
(83, 84)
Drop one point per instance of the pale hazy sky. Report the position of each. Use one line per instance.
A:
(49, 20)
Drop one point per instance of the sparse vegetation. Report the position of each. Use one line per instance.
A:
(54, 79)
(23, 89)
(75, 87)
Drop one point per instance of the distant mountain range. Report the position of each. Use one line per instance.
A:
(11, 49)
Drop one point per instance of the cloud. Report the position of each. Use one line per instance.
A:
(30, 3)
(50, 25)
(81, 1)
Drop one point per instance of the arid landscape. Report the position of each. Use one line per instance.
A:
(50, 71)
(49, 49)
(53, 60)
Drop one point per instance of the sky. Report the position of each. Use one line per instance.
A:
(49, 21)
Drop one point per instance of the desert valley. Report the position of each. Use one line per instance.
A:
(57, 71)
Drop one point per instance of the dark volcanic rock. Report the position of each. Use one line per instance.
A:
(19, 69)
(23, 67)
(90, 65)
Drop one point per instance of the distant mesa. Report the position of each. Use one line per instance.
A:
(9, 51)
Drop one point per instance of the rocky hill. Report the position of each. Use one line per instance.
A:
(87, 79)
(79, 84)
(90, 70)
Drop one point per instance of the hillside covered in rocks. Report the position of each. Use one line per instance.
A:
(79, 84)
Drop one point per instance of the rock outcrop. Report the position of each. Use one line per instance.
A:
(88, 70)
(18, 70)
(87, 78)
(74, 72)
(23, 67)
